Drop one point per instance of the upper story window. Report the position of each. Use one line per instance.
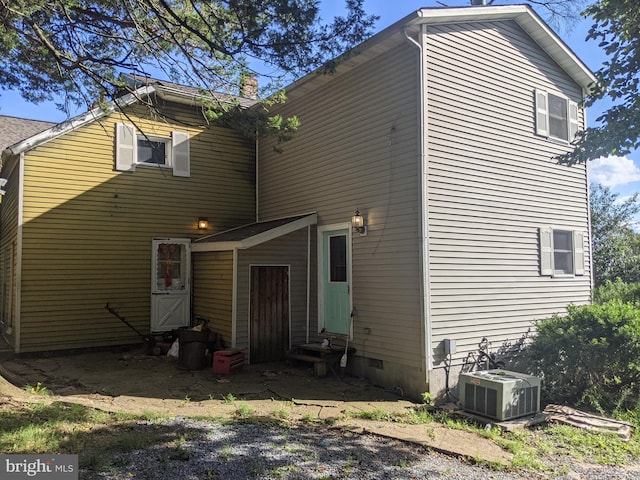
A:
(561, 252)
(556, 116)
(133, 148)
(154, 150)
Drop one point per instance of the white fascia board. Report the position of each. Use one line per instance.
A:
(530, 22)
(77, 122)
(258, 239)
(178, 96)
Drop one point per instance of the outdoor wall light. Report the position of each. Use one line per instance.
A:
(203, 223)
(357, 222)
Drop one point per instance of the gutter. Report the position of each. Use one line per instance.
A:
(18, 273)
(427, 360)
(76, 122)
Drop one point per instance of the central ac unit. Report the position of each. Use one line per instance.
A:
(499, 394)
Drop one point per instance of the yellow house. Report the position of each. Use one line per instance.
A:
(101, 209)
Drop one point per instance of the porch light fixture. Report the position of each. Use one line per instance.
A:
(203, 223)
(357, 222)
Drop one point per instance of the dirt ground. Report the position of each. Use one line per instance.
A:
(128, 380)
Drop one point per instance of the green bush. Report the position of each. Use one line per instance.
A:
(590, 357)
(618, 290)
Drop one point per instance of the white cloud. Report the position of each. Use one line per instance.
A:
(613, 171)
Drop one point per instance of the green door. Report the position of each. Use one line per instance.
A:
(336, 278)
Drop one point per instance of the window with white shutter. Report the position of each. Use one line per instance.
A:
(561, 252)
(134, 148)
(556, 116)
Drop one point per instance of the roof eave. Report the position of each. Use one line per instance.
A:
(257, 239)
(76, 122)
(528, 20)
(524, 15)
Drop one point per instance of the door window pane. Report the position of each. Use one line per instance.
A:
(338, 258)
(170, 266)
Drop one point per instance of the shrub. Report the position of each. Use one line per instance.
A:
(618, 290)
(590, 357)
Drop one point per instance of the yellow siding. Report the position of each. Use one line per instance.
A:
(213, 291)
(88, 228)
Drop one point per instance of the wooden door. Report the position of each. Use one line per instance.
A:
(269, 313)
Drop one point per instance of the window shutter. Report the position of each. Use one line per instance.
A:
(126, 147)
(573, 119)
(546, 251)
(578, 253)
(180, 154)
(542, 113)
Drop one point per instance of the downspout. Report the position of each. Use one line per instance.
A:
(427, 360)
(18, 273)
(234, 300)
(586, 173)
(308, 281)
(256, 174)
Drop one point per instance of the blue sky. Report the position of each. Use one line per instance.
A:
(622, 174)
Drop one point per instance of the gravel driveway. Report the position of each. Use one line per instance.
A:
(263, 451)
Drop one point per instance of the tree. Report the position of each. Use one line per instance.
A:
(617, 26)
(78, 48)
(616, 246)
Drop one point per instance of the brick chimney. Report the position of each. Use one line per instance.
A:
(249, 87)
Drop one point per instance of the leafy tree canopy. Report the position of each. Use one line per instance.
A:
(78, 48)
(616, 246)
(617, 27)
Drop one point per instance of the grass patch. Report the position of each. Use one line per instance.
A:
(243, 410)
(38, 389)
(375, 414)
(99, 438)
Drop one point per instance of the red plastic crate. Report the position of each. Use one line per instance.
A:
(227, 361)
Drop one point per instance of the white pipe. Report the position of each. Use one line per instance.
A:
(256, 174)
(18, 273)
(427, 360)
(308, 280)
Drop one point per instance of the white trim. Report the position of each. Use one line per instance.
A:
(77, 122)
(530, 22)
(18, 320)
(234, 303)
(321, 266)
(201, 245)
(523, 15)
(425, 291)
(308, 283)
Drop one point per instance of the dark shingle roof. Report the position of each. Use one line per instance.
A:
(247, 231)
(14, 129)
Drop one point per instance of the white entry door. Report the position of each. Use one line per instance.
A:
(170, 284)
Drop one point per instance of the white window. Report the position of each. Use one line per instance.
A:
(556, 116)
(561, 252)
(154, 150)
(134, 149)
